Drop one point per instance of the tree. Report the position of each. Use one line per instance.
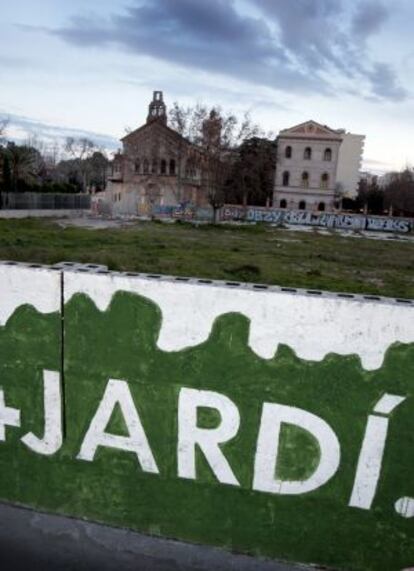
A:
(189, 121)
(217, 162)
(3, 166)
(216, 180)
(252, 179)
(233, 153)
(23, 164)
(399, 193)
(81, 149)
(98, 167)
(3, 127)
(370, 197)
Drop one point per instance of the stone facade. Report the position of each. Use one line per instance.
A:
(307, 159)
(157, 167)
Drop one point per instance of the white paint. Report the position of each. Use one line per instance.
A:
(405, 507)
(20, 285)
(312, 326)
(117, 392)
(267, 452)
(207, 439)
(52, 438)
(388, 403)
(8, 417)
(372, 452)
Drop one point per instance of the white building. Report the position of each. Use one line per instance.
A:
(349, 163)
(306, 167)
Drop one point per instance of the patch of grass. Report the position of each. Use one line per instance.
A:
(246, 273)
(314, 273)
(256, 253)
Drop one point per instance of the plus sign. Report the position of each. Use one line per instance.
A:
(8, 417)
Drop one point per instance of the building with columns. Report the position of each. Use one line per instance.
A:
(306, 168)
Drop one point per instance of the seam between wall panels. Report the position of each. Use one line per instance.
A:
(62, 353)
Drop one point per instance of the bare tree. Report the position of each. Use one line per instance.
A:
(81, 149)
(3, 128)
(188, 121)
(52, 154)
(399, 193)
(220, 135)
(216, 174)
(3, 166)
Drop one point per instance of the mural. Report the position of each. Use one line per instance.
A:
(326, 220)
(268, 422)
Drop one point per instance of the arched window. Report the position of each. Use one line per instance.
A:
(137, 166)
(307, 154)
(305, 179)
(321, 207)
(327, 155)
(163, 166)
(154, 166)
(286, 177)
(190, 169)
(172, 166)
(283, 203)
(146, 166)
(302, 205)
(288, 152)
(325, 180)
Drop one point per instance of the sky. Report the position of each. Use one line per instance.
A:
(89, 68)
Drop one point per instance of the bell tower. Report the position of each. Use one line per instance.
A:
(212, 131)
(157, 110)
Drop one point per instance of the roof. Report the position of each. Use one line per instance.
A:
(311, 129)
(157, 124)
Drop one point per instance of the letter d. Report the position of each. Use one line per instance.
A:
(265, 467)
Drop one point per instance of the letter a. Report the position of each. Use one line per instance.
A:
(265, 466)
(52, 438)
(117, 392)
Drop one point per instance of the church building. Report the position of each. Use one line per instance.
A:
(156, 168)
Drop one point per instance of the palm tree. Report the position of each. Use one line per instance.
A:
(23, 162)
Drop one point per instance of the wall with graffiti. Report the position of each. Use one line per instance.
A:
(326, 220)
(183, 211)
(267, 421)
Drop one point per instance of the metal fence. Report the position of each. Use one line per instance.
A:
(44, 201)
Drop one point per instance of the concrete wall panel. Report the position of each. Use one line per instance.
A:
(30, 364)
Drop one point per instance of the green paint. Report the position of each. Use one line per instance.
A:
(120, 343)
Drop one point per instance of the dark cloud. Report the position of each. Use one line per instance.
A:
(368, 18)
(308, 29)
(292, 45)
(384, 82)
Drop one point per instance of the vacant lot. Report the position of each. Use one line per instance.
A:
(258, 254)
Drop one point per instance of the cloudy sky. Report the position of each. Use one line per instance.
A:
(90, 67)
